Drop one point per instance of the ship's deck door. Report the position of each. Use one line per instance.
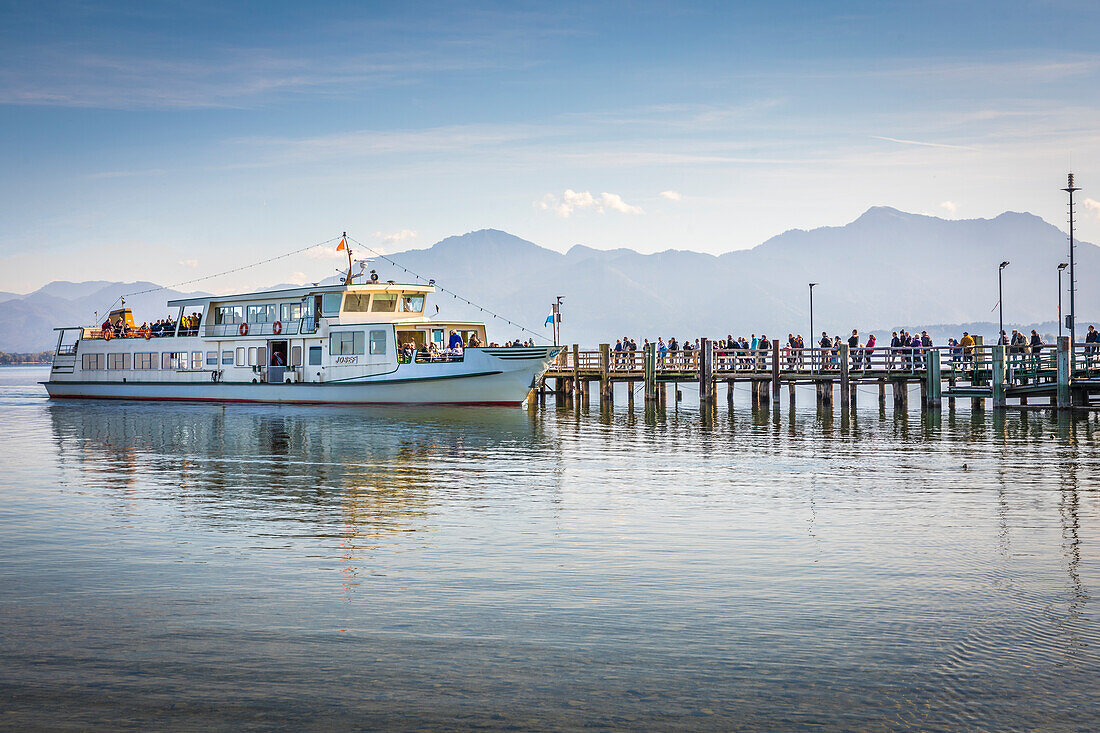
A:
(277, 361)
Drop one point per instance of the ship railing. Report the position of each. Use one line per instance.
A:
(225, 330)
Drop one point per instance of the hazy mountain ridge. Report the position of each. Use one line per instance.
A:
(887, 267)
(29, 319)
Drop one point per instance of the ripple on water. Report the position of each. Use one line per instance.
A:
(260, 566)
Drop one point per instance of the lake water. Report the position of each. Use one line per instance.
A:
(251, 567)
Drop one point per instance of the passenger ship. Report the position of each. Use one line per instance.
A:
(321, 344)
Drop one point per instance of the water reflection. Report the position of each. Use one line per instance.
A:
(778, 567)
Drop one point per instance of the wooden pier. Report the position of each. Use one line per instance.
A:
(1002, 376)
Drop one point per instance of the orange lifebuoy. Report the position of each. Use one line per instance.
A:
(277, 327)
(243, 330)
(108, 335)
(148, 335)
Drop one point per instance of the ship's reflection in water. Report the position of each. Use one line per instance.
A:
(206, 566)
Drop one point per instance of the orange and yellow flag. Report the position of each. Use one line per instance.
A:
(342, 246)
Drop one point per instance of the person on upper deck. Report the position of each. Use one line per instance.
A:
(455, 340)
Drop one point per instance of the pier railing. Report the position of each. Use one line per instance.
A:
(978, 371)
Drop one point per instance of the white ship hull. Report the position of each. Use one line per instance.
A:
(495, 376)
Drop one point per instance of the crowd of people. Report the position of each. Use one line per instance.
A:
(430, 351)
(119, 328)
(907, 351)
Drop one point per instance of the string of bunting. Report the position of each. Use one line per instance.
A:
(219, 274)
(453, 294)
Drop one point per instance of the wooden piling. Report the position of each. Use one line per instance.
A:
(882, 393)
(901, 394)
(606, 394)
(845, 378)
(706, 363)
(997, 377)
(776, 367)
(790, 392)
(649, 365)
(934, 392)
(1063, 397)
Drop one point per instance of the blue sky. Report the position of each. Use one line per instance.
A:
(173, 140)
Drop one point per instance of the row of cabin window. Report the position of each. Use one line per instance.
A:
(233, 314)
(330, 305)
(176, 360)
(340, 343)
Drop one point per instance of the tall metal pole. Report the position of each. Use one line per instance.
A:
(1000, 305)
(813, 333)
(1061, 267)
(1072, 278)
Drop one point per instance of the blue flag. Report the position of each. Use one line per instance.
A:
(549, 319)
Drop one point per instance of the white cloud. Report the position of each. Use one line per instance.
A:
(571, 201)
(325, 252)
(922, 143)
(671, 195)
(189, 263)
(394, 237)
(1092, 207)
(950, 207)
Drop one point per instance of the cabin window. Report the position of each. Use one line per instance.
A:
(377, 342)
(118, 361)
(261, 356)
(261, 313)
(384, 303)
(94, 361)
(227, 358)
(228, 314)
(342, 343)
(314, 355)
(252, 356)
(242, 356)
(330, 304)
(211, 358)
(412, 303)
(437, 337)
(357, 302)
(196, 360)
(290, 312)
(146, 361)
(296, 356)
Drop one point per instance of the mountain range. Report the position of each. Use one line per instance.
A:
(887, 269)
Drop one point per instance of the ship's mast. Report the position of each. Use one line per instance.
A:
(347, 248)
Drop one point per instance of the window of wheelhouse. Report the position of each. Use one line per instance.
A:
(357, 302)
(412, 303)
(384, 303)
(330, 304)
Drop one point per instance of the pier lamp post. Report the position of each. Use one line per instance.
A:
(1072, 279)
(557, 318)
(1001, 301)
(812, 332)
(1061, 267)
